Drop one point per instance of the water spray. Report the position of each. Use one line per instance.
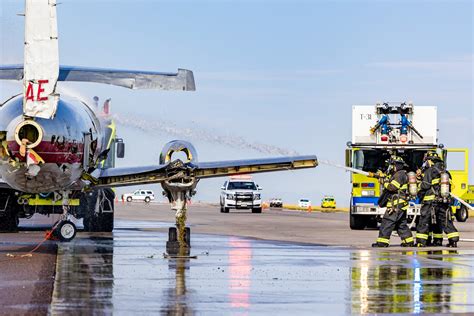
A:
(197, 133)
(353, 170)
(469, 207)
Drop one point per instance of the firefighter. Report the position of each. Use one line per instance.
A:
(435, 210)
(419, 178)
(395, 198)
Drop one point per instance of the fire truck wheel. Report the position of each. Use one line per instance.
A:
(462, 214)
(357, 222)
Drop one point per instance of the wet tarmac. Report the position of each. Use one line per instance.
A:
(125, 273)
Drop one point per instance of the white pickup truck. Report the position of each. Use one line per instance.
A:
(240, 193)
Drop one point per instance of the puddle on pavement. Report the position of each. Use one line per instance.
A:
(124, 273)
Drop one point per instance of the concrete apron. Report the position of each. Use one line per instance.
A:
(124, 272)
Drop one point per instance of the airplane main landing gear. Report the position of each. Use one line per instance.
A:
(179, 237)
(179, 188)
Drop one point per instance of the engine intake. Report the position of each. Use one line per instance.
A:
(180, 174)
(30, 130)
(176, 146)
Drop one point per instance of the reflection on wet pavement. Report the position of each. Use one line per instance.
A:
(414, 282)
(124, 273)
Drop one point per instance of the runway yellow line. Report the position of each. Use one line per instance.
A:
(315, 209)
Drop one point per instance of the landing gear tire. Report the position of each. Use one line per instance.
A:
(462, 214)
(357, 222)
(257, 210)
(65, 231)
(172, 245)
(172, 234)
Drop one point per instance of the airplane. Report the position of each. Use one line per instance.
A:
(57, 155)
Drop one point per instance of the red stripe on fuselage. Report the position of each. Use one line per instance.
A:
(58, 152)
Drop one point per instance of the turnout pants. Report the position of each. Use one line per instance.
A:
(438, 218)
(394, 219)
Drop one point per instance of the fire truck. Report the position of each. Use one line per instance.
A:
(380, 130)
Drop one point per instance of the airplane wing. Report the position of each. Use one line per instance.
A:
(3, 184)
(155, 174)
(133, 79)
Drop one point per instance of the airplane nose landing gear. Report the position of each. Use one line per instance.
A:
(65, 231)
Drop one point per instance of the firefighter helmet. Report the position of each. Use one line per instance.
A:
(397, 162)
(433, 156)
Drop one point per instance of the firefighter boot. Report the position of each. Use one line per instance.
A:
(379, 245)
(429, 242)
(452, 244)
(408, 242)
(438, 242)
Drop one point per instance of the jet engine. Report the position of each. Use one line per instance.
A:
(180, 173)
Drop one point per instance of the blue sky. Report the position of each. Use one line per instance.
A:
(284, 73)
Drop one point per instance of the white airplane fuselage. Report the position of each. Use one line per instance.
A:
(59, 142)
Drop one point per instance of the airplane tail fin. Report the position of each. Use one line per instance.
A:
(41, 59)
(41, 70)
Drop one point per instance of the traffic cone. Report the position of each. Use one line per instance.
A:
(310, 209)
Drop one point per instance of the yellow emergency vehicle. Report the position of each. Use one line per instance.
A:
(385, 129)
(328, 202)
